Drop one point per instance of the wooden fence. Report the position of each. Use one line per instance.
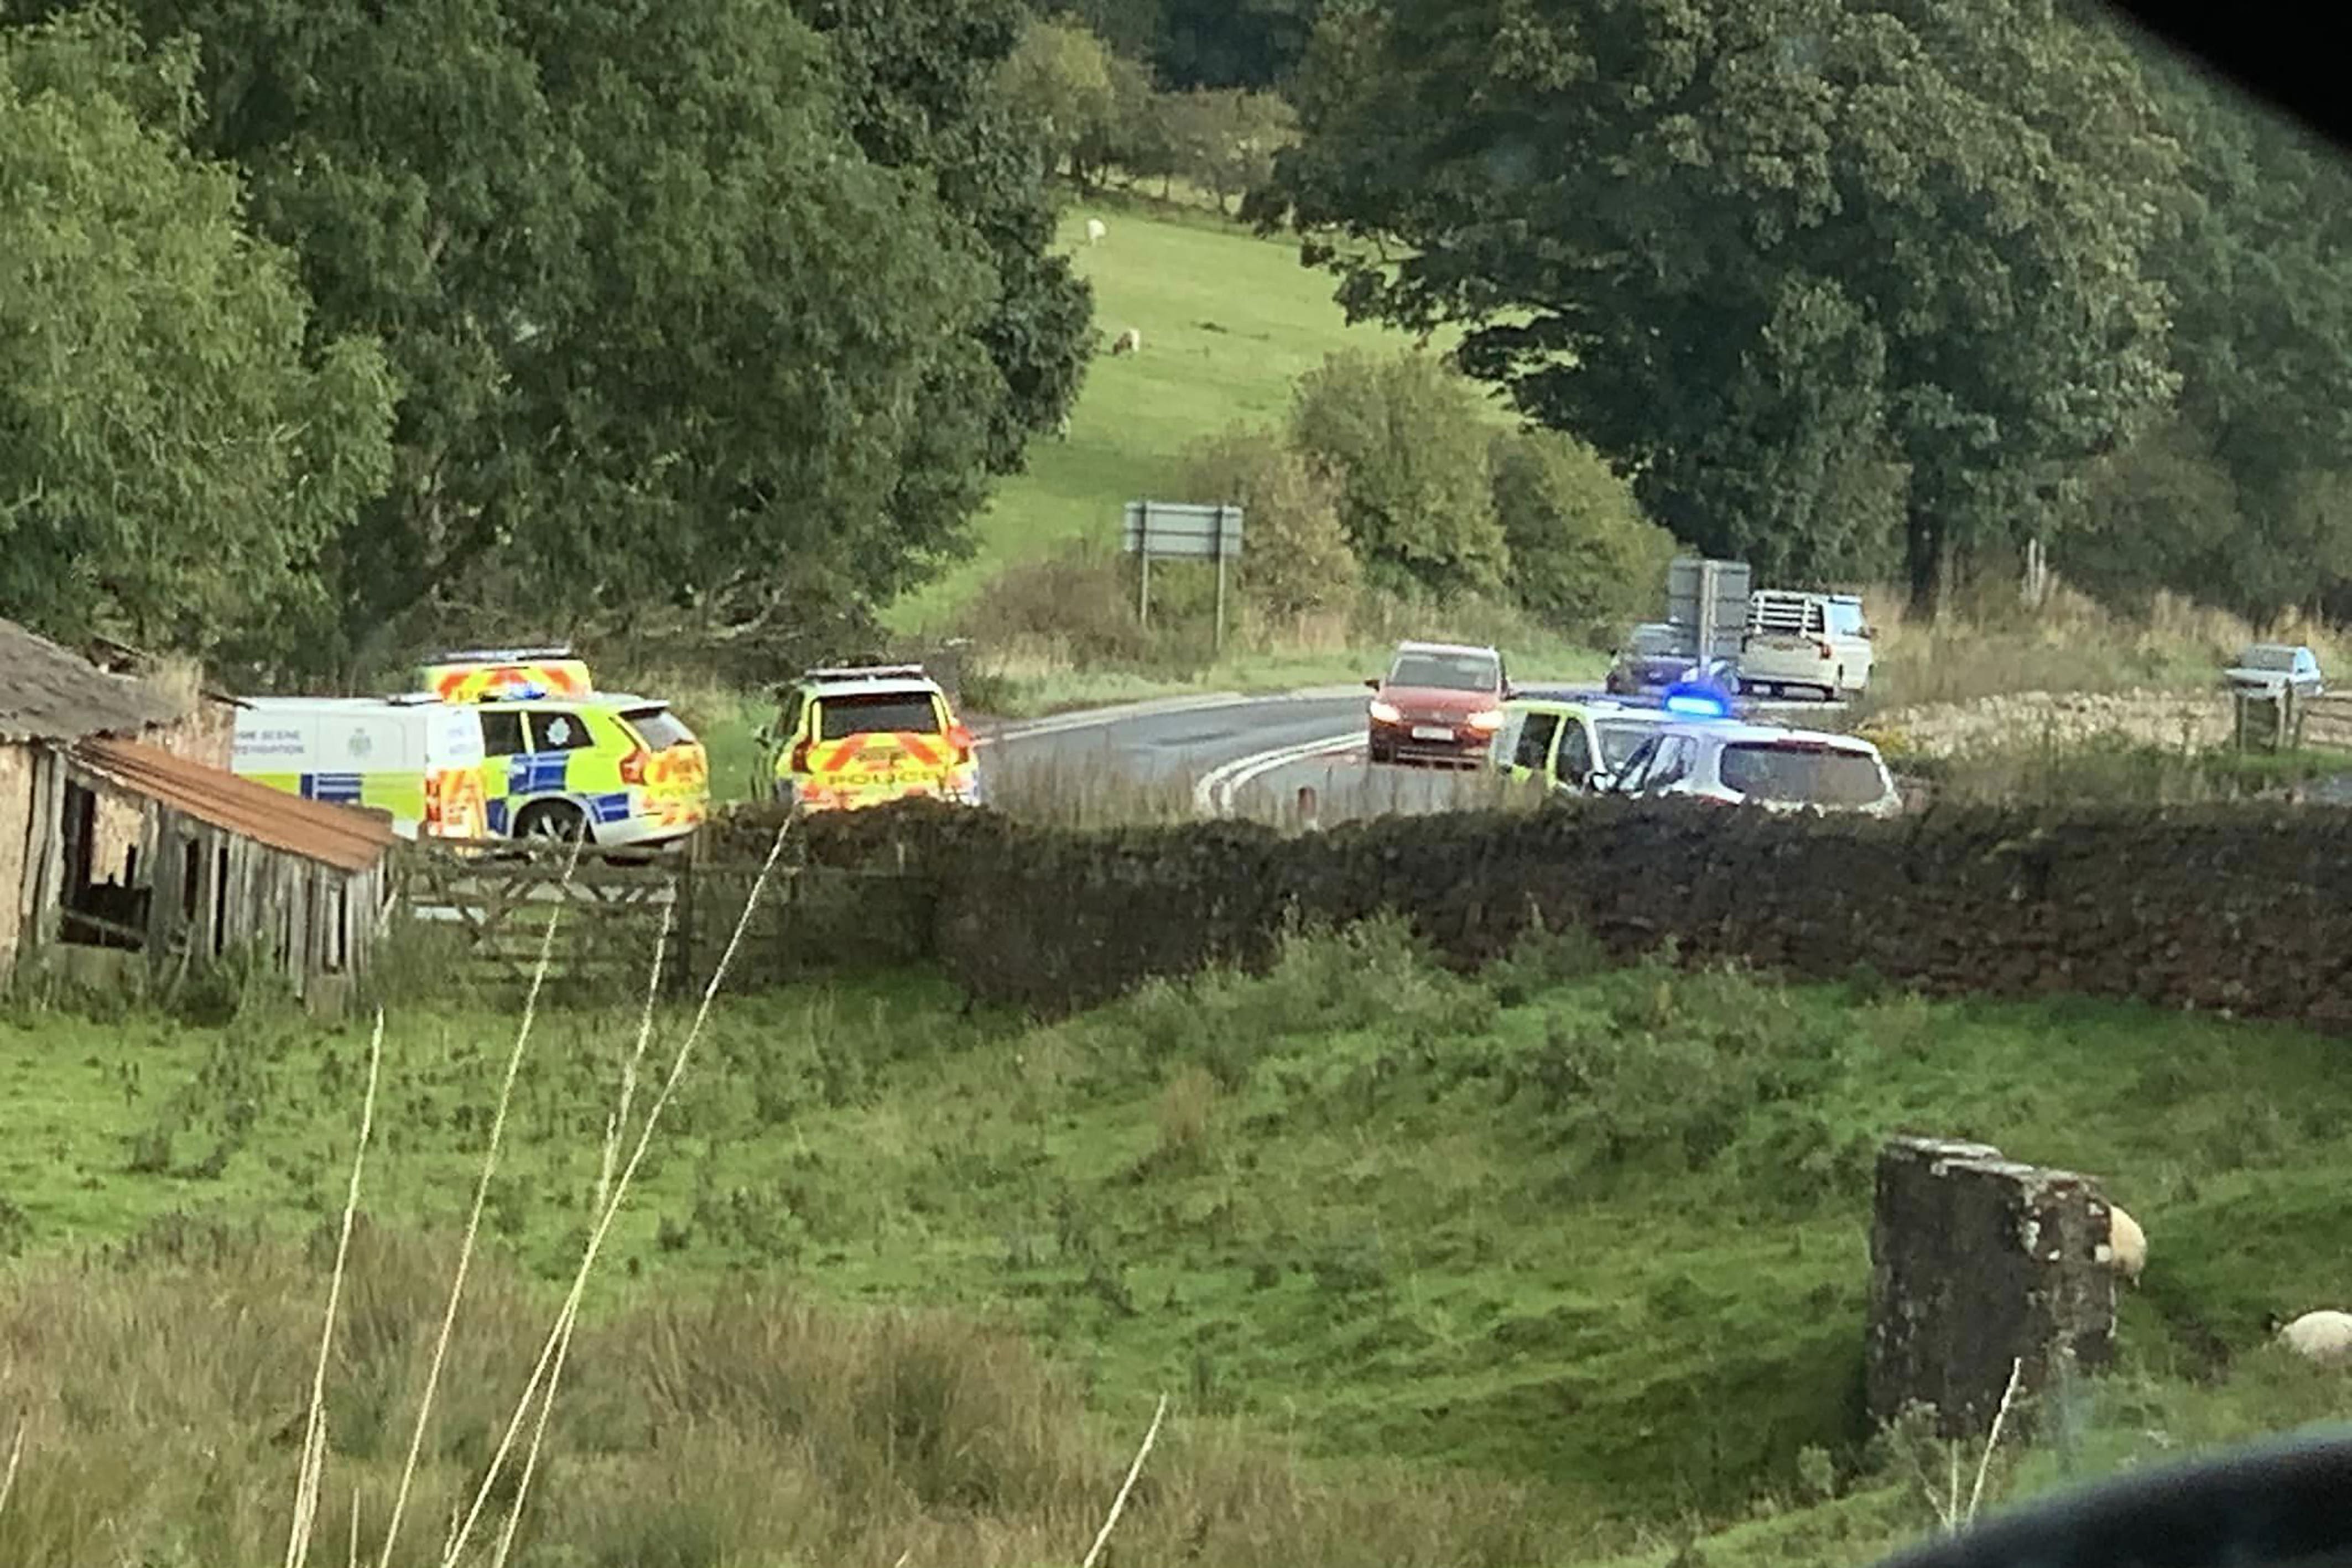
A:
(2290, 723)
(484, 911)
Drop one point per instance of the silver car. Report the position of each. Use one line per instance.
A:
(1762, 765)
(2268, 669)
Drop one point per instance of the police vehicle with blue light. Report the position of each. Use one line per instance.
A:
(1573, 741)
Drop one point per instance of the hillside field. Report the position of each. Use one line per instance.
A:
(1593, 1238)
(1228, 320)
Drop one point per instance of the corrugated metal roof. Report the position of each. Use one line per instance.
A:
(49, 694)
(339, 836)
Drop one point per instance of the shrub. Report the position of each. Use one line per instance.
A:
(1077, 598)
(1406, 440)
(1582, 555)
(1298, 560)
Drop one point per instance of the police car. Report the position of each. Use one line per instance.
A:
(562, 760)
(1734, 763)
(849, 737)
(1575, 742)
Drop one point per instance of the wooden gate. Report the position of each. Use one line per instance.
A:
(485, 909)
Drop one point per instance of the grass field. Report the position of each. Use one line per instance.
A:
(1592, 1236)
(1228, 321)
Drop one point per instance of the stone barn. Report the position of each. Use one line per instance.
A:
(115, 851)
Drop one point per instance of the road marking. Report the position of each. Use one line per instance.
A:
(1159, 708)
(1213, 796)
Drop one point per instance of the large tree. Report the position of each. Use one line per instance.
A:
(716, 309)
(172, 457)
(926, 96)
(2259, 266)
(1189, 44)
(1808, 269)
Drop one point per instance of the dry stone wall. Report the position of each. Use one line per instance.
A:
(2243, 908)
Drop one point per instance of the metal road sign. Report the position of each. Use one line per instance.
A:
(1709, 600)
(1172, 530)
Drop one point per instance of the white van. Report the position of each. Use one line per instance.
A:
(414, 757)
(1819, 640)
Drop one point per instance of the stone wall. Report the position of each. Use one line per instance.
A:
(1980, 1266)
(2241, 907)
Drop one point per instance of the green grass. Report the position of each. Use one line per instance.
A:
(1229, 321)
(1595, 1233)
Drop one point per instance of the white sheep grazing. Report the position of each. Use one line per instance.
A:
(1128, 343)
(2322, 1336)
(2127, 1249)
(1095, 231)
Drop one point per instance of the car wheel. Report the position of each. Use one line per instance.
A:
(553, 821)
(1378, 752)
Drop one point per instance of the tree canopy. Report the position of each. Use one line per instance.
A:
(173, 452)
(730, 311)
(1832, 280)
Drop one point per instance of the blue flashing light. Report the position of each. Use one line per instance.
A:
(1692, 701)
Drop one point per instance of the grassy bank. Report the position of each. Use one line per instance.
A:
(1228, 323)
(1590, 1236)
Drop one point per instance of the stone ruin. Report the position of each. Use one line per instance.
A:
(1977, 1263)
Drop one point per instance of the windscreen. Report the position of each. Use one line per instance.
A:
(1446, 671)
(2268, 659)
(1802, 774)
(876, 713)
(659, 727)
(1618, 742)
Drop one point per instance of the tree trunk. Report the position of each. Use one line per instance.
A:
(1923, 560)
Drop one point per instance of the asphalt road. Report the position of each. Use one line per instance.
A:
(1233, 755)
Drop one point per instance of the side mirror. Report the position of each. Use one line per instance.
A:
(1373, 684)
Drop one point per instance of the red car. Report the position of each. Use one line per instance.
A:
(1440, 701)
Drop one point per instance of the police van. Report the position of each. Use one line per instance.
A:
(563, 760)
(415, 759)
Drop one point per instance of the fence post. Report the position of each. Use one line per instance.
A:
(682, 972)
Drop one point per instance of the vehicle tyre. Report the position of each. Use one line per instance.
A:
(1379, 752)
(553, 821)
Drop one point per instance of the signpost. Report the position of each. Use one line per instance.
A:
(1165, 530)
(1709, 600)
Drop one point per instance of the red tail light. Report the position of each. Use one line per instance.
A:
(632, 767)
(799, 763)
(1824, 650)
(961, 738)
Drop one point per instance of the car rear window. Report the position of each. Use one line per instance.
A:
(873, 713)
(1655, 641)
(659, 727)
(1446, 671)
(2268, 659)
(1801, 774)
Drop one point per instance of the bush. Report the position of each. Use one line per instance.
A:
(1079, 599)
(1298, 560)
(1406, 441)
(1582, 555)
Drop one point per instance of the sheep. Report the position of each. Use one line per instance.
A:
(2322, 1336)
(1128, 343)
(1095, 231)
(2127, 1249)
